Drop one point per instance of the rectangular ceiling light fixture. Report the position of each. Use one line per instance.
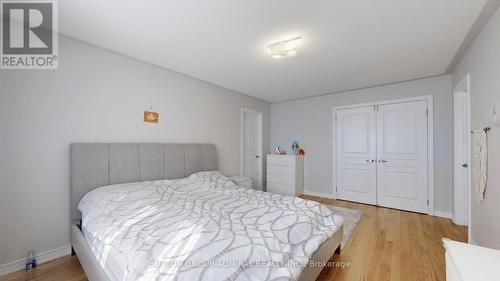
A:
(284, 49)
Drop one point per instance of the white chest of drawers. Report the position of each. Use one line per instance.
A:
(285, 174)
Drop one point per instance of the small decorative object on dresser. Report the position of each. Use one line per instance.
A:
(279, 150)
(285, 174)
(295, 147)
(242, 181)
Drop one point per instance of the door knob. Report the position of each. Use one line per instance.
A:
(382, 161)
(465, 165)
(257, 156)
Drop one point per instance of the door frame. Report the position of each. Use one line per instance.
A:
(260, 149)
(430, 142)
(464, 87)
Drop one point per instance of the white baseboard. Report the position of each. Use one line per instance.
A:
(319, 194)
(437, 213)
(443, 214)
(43, 257)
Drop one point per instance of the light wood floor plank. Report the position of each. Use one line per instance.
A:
(386, 245)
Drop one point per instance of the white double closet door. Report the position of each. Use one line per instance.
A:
(382, 155)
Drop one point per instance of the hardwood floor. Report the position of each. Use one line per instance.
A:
(67, 269)
(386, 245)
(393, 245)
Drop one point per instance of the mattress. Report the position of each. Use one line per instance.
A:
(202, 228)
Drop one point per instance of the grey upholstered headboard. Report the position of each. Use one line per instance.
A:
(98, 164)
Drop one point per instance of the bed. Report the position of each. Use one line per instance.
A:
(163, 212)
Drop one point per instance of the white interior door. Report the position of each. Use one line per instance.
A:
(252, 146)
(402, 156)
(461, 170)
(356, 153)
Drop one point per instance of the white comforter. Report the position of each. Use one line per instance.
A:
(202, 228)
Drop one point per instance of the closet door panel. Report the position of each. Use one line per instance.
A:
(356, 151)
(402, 156)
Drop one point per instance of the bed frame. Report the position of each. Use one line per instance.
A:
(99, 164)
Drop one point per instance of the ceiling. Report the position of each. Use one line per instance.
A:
(346, 44)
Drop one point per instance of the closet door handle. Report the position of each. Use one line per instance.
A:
(382, 161)
(370, 161)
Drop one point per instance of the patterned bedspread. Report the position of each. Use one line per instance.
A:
(202, 227)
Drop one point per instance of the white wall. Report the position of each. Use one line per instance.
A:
(95, 96)
(310, 122)
(482, 61)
